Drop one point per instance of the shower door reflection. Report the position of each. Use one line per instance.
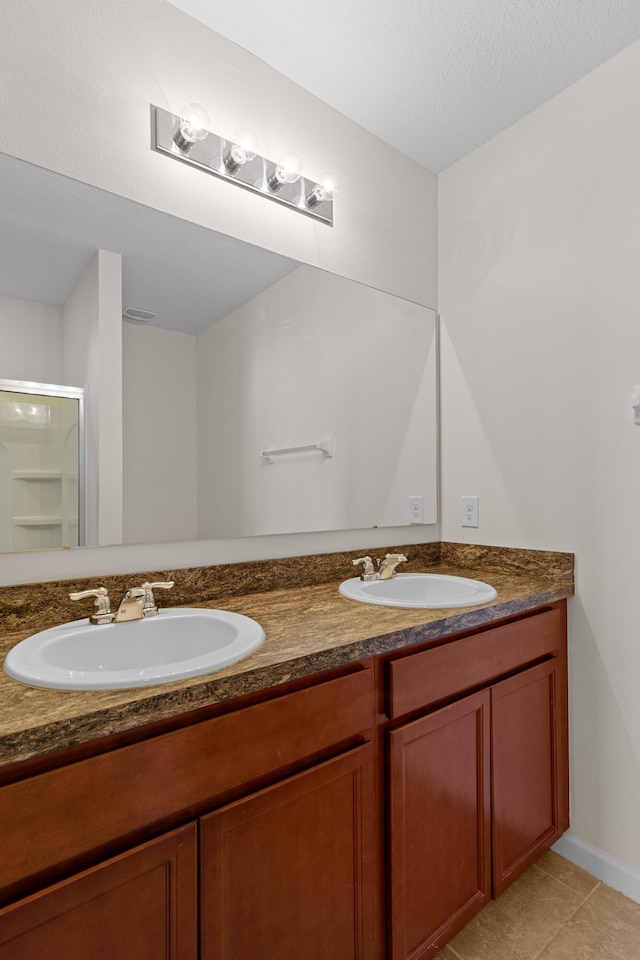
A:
(41, 466)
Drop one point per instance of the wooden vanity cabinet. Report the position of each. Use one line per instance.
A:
(478, 788)
(301, 822)
(290, 859)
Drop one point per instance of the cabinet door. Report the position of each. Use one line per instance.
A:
(141, 905)
(529, 767)
(288, 872)
(439, 808)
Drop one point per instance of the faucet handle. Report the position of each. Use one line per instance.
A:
(102, 604)
(368, 572)
(149, 608)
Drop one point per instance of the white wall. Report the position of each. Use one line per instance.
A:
(23, 324)
(75, 95)
(92, 355)
(159, 434)
(270, 371)
(540, 300)
(75, 90)
(311, 357)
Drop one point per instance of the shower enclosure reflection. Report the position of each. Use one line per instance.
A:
(41, 466)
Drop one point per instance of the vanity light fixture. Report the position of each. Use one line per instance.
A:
(188, 139)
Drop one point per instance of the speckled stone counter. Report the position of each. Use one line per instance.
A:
(309, 628)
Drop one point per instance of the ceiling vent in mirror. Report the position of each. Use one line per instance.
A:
(133, 315)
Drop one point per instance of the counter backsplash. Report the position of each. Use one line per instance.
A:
(37, 606)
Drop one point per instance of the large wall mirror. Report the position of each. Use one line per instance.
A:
(264, 396)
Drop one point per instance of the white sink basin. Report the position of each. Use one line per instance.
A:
(427, 590)
(178, 643)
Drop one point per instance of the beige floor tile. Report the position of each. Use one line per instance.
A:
(606, 926)
(519, 924)
(567, 873)
(617, 906)
(446, 954)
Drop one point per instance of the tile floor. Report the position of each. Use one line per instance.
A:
(554, 911)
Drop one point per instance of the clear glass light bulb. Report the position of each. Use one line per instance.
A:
(243, 149)
(323, 190)
(246, 140)
(194, 125)
(330, 185)
(288, 170)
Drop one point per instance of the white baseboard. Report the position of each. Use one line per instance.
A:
(612, 872)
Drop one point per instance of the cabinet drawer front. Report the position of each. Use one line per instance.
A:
(51, 818)
(416, 681)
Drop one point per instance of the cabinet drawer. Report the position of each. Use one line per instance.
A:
(51, 818)
(432, 675)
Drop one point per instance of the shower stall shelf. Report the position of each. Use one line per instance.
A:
(41, 466)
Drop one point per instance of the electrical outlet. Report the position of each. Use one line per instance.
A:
(469, 510)
(416, 510)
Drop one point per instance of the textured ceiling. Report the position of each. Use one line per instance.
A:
(434, 78)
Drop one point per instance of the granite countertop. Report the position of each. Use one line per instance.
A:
(309, 628)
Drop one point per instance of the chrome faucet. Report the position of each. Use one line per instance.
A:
(386, 567)
(137, 603)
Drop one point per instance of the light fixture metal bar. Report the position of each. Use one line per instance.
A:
(254, 175)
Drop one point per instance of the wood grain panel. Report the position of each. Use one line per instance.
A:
(141, 905)
(528, 808)
(441, 672)
(51, 818)
(439, 820)
(288, 872)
